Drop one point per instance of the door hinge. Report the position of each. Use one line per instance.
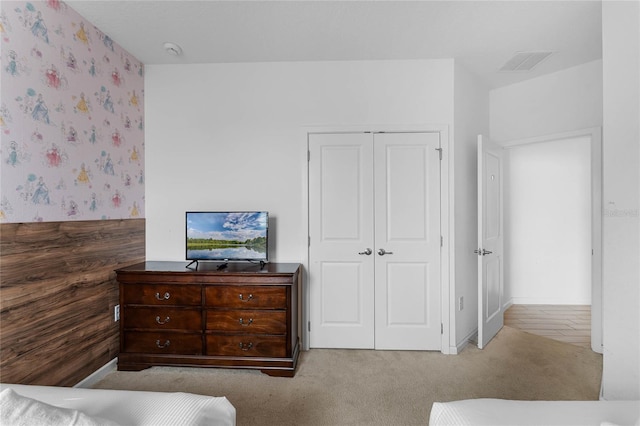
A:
(308, 156)
(309, 241)
(441, 328)
(439, 152)
(309, 326)
(441, 241)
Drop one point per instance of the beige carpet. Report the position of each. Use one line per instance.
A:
(362, 387)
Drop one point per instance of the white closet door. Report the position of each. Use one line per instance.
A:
(374, 227)
(341, 283)
(407, 241)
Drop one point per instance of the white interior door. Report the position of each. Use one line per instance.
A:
(341, 285)
(490, 242)
(407, 241)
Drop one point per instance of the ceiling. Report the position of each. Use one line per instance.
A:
(480, 35)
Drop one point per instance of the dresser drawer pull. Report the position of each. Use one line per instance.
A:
(164, 345)
(165, 297)
(246, 324)
(166, 320)
(246, 347)
(247, 299)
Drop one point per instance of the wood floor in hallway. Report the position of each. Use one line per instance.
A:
(566, 323)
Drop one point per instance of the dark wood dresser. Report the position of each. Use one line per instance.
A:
(243, 316)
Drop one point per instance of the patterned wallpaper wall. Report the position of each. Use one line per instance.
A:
(71, 118)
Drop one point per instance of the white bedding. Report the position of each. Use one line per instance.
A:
(129, 407)
(500, 412)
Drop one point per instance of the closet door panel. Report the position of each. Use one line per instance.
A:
(341, 228)
(407, 238)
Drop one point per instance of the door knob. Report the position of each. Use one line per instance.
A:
(382, 252)
(368, 251)
(482, 252)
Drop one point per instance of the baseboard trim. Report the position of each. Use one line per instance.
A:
(99, 374)
(548, 301)
(470, 338)
(507, 304)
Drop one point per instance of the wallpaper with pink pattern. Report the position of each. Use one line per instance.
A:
(71, 118)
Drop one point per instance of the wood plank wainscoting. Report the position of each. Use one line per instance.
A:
(58, 290)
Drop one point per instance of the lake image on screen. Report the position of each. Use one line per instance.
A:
(214, 235)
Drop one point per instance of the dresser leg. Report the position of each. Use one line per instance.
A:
(279, 373)
(136, 367)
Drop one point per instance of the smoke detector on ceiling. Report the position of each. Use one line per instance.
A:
(173, 49)
(524, 61)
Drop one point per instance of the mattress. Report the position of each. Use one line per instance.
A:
(132, 407)
(500, 412)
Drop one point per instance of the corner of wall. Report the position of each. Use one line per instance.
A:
(621, 189)
(471, 118)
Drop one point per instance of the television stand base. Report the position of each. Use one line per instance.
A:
(191, 263)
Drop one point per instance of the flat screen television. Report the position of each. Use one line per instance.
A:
(227, 236)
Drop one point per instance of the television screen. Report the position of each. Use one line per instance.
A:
(227, 235)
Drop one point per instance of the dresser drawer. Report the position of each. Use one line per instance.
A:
(247, 321)
(162, 318)
(163, 343)
(247, 345)
(161, 294)
(246, 297)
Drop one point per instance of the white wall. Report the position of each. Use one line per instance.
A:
(621, 228)
(471, 106)
(560, 102)
(548, 222)
(231, 136)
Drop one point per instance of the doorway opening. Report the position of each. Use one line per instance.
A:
(553, 235)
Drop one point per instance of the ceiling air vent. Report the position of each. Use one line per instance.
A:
(524, 61)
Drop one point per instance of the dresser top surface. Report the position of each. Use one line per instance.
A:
(211, 268)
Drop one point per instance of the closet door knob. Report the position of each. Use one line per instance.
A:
(368, 251)
(382, 252)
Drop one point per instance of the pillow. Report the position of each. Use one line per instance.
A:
(18, 410)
